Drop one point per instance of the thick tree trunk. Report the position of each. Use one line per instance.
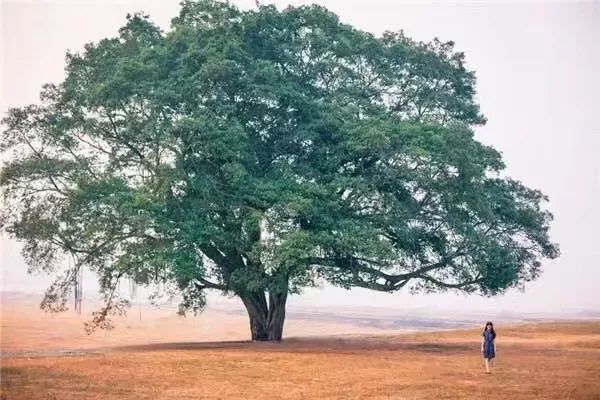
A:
(257, 308)
(276, 315)
(266, 320)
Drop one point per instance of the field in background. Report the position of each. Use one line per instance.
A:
(27, 331)
(166, 357)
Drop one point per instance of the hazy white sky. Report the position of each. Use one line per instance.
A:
(537, 66)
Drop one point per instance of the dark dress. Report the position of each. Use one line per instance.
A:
(488, 345)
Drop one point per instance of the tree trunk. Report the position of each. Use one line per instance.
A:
(276, 315)
(266, 321)
(256, 305)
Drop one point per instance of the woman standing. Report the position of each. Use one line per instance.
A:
(488, 345)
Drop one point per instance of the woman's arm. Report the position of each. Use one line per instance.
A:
(482, 342)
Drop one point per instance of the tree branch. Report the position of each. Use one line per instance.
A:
(204, 284)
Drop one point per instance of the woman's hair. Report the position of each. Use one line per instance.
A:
(489, 323)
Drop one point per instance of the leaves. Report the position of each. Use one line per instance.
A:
(252, 151)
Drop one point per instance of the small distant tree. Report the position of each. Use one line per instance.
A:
(259, 152)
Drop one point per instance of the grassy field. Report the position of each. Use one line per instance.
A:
(536, 361)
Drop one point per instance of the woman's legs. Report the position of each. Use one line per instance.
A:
(487, 365)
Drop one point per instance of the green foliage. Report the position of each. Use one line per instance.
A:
(266, 151)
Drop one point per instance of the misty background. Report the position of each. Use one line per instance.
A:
(536, 65)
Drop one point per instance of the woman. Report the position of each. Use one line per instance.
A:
(488, 345)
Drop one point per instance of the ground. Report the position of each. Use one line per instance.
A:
(535, 361)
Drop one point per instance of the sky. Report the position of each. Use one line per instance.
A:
(537, 69)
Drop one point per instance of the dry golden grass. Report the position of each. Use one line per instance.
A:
(543, 361)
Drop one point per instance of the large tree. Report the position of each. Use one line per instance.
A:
(260, 152)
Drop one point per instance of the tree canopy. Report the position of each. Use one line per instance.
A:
(260, 152)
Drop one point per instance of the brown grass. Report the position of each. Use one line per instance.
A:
(542, 361)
